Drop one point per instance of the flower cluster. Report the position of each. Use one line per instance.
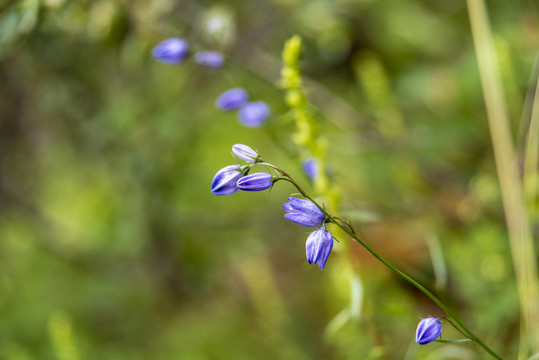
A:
(175, 50)
(232, 178)
(320, 242)
(251, 114)
(306, 213)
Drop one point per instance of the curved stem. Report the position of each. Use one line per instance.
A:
(438, 302)
(453, 341)
(465, 331)
(456, 327)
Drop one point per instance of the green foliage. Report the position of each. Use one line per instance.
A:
(113, 247)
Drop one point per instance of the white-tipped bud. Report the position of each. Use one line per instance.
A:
(245, 153)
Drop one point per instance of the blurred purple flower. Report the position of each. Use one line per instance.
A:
(310, 166)
(232, 99)
(255, 182)
(319, 245)
(245, 153)
(428, 330)
(171, 51)
(225, 181)
(212, 59)
(254, 114)
(303, 212)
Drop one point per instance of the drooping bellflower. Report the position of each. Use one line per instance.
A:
(303, 212)
(255, 182)
(428, 330)
(310, 167)
(318, 247)
(171, 51)
(254, 114)
(225, 181)
(212, 59)
(232, 99)
(245, 153)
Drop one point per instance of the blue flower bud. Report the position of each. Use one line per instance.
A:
(319, 245)
(428, 330)
(310, 166)
(171, 51)
(245, 153)
(254, 114)
(255, 182)
(211, 59)
(303, 212)
(232, 99)
(225, 181)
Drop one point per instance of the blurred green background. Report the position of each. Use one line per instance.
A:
(113, 247)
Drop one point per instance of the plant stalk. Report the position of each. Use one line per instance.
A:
(420, 287)
(518, 227)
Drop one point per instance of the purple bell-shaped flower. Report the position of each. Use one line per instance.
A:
(254, 114)
(213, 59)
(255, 182)
(318, 247)
(225, 181)
(232, 99)
(303, 212)
(428, 330)
(310, 167)
(245, 153)
(171, 51)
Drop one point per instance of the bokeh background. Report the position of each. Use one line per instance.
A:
(113, 247)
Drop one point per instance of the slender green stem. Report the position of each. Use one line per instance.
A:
(453, 341)
(438, 302)
(455, 326)
(348, 229)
